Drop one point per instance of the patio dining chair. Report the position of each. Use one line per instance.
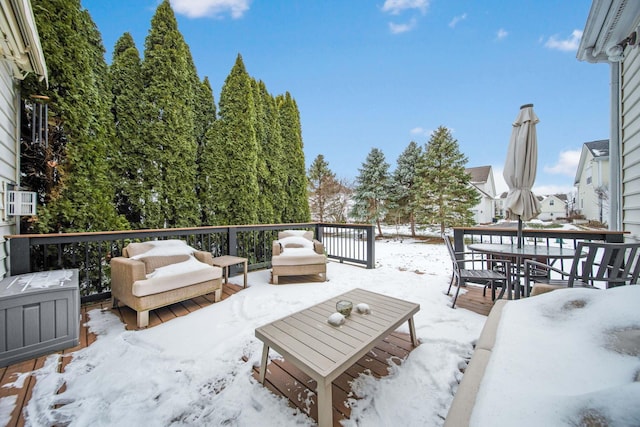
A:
(595, 265)
(478, 268)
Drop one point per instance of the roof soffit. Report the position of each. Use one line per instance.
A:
(609, 22)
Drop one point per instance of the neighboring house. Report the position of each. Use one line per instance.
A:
(20, 54)
(611, 36)
(482, 181)
(499, 204)
(593, 177)
(553, 207)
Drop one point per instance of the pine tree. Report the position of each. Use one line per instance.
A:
(443, 194)
(402, 182)
(372, 189)
(233, 138)
(81, 198)
(324, 189)
(127, 89)
(170, 129)
(296, 207)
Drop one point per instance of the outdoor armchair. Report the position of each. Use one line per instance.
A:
(595, 265)
(297, 253)
(478, 268)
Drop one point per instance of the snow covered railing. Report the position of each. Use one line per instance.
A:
(91, 252)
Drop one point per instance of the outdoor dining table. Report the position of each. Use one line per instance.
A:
(520, 254)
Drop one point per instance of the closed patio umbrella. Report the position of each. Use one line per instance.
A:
(520, 169)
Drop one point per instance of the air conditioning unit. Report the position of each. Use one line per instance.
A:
(21, 203)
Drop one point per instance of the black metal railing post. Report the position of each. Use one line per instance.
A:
(232, 249)
(19, 256)
(371, 246)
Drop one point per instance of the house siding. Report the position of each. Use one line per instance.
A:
(8, 153)
(630, 137)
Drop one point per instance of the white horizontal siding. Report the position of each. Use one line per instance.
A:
(630, 150)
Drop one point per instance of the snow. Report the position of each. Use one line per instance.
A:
(166, 248)
(192, 264)
(189, 371)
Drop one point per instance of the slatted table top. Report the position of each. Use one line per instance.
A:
(324, 351)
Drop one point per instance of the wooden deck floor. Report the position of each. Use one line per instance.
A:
(283, 378)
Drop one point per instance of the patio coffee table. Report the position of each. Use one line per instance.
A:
(323, 351)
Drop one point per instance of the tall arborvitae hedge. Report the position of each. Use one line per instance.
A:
(170, 131)
(127, 89)
(236, 151)
(205, 118)
(82, 199)
(296, 207)
(272, 149)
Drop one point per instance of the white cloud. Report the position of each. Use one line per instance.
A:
(538, 189)
(457, 19)
(420, 131)
(502, 33)
(402, 28)
(201, 8)
(567, 163)
(569, 44)
(547, 190)
(395, 7)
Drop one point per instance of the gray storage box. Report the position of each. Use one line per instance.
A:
(39, 314)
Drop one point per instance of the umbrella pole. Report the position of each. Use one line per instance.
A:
(519, 235)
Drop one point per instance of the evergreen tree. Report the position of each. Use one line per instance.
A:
(324, 189)
(443, 194)
(127, 89)
(274, 156)
(264, 205)
(402, 182)
(296, 207)
(372, 189)
(81, 197)
(205, 118)
(170, 129)
(233, 139)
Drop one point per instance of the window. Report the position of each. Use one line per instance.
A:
(551, 202)
(588, 180)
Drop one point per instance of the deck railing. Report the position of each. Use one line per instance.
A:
(91, 252)
(538, 237)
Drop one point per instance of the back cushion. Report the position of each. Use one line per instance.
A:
(295, 233)
(153, 262)
(296, 242)
(134, 249)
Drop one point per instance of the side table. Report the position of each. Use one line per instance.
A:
(226, 261)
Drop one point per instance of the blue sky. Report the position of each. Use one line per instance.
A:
(382, 73)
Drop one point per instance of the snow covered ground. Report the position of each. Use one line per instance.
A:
(189, 371)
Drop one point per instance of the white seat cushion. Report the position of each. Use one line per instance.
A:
(298, 256)
(173, 278)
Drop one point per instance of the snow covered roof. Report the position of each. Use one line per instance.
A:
(598, 148)
(479, 174)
